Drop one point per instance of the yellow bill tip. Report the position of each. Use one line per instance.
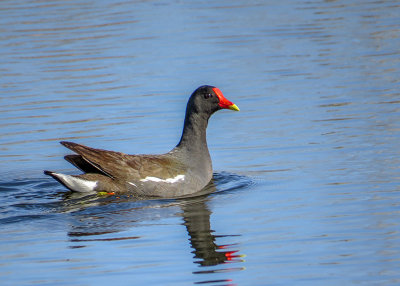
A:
(234, 107)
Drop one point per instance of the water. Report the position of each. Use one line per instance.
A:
(307, 179)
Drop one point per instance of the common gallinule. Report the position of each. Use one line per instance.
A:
(184, 170)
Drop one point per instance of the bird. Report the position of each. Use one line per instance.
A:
(184, 170)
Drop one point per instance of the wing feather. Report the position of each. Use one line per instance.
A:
(119, 165)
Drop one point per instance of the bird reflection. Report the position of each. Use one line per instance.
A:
(97, 219)
(196, 216)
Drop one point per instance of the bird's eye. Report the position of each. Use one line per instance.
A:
(207, 95)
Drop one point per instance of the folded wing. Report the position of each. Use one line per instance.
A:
(122, 166)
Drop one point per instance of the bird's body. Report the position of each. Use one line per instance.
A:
(184, 170)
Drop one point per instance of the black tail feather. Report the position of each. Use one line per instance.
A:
(81, 164)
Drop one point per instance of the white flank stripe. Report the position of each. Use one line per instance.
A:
(133, 184)
(169, 180)
(76, 184)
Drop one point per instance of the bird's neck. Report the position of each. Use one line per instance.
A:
(192, 147)
(194, 138)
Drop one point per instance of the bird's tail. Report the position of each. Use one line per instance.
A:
(74, 183)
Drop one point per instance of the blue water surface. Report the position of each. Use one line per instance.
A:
(306, 186)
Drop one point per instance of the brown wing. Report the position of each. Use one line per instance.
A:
(128, 167)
